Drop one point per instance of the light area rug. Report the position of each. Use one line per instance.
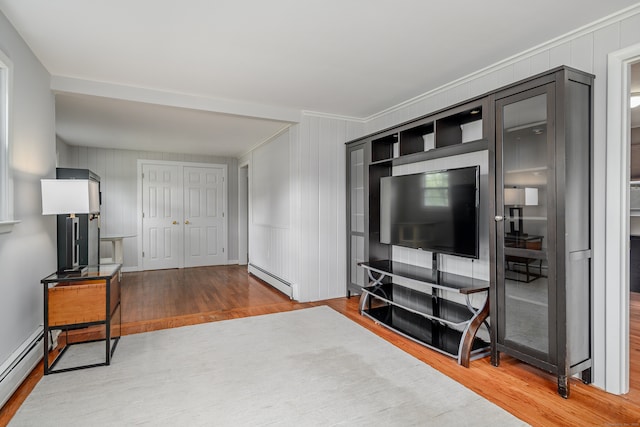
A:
(311, 367)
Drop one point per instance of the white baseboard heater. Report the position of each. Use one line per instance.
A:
(18, 366)
(278, 283)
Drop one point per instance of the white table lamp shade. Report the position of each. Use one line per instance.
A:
(521, 196)
(69, 196)
(530, 196)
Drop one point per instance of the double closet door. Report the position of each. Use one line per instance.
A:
(183, 215)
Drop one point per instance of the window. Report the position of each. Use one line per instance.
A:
(6, 182)
(436, 189)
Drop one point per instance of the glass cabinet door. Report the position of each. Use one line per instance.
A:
(356, 220)
(524, 136)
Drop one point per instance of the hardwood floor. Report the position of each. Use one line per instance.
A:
(164, 299)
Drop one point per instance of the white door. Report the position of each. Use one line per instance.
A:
(203, 216)
(161, 217)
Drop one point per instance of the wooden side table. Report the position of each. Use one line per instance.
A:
(74, 301)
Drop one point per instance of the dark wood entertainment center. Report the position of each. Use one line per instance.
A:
(537, 134)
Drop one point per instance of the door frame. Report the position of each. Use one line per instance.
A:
(244, 199)
(614, 338)
(181, 166)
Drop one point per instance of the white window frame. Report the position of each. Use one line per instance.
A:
(6, 176)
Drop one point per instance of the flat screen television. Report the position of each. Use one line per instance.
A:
(433, 211)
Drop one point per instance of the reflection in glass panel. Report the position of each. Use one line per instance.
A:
(526, 304)
(525, 160)
(436, 189)
(525, 172)
(357, 190)
(357, 256)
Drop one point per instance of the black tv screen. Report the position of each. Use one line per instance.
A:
(434, 211)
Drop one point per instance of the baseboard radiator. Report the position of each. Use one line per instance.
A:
(278, 283)
(20, 364)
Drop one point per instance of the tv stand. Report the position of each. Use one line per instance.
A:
(416, 310)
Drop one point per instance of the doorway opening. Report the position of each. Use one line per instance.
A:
(612, 335)
(243, 214)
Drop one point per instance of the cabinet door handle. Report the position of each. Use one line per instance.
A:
(499, 218)
(175, 222)
(187, 222)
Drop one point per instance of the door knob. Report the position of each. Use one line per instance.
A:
(499, 218)
(187, 222)
(175, 222)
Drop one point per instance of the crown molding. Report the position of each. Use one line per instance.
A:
(267, 140)
(309, 113)
(550, 44)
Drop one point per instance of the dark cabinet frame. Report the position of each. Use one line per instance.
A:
(352, 282)
(569, 275)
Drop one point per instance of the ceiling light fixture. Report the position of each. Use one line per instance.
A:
(634, 101)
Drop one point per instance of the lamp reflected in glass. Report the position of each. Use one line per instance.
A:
(516, 198)
(70, 197)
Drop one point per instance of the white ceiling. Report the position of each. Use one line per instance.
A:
(264, 60)
(114, 123)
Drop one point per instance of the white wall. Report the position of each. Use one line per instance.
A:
(270, 208)
(322, 197)
(118, 179)
(308, 250)
(28, 253)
